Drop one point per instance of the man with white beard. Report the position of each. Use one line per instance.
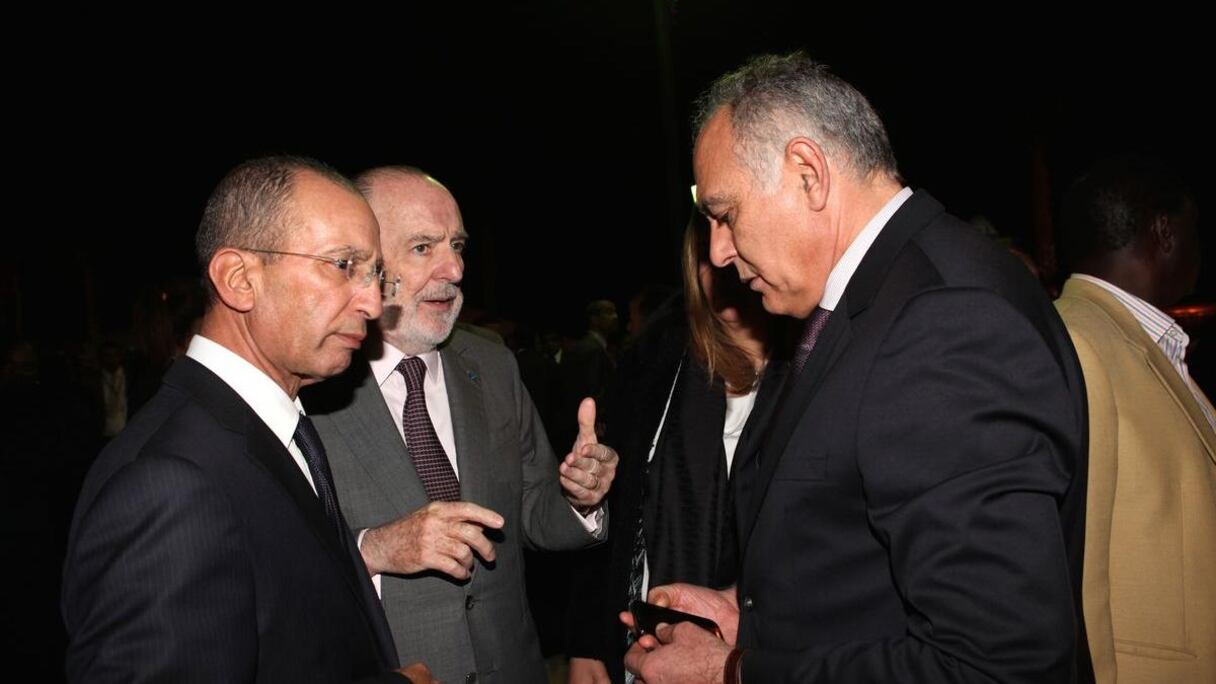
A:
(440, 459)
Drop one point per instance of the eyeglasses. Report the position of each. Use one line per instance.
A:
(363, 273)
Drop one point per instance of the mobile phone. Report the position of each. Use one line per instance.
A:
(647, 616)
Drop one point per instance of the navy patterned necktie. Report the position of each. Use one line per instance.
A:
(309, 442)
(430, 460)
(810, 334)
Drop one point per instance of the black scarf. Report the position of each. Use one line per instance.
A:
(688, 510)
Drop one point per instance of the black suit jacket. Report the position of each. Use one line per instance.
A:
(913, 508)
(198, 552)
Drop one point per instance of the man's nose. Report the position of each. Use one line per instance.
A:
(451, 267)
(721, 246)
(368, 301)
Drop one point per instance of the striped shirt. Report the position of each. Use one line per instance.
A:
(1163, 330)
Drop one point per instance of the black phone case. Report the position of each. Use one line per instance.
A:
(647, 616)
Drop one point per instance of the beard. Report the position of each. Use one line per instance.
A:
(411, 326)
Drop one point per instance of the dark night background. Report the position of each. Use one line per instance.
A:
(560, 127)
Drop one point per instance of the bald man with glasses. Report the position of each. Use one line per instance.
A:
(208, 543)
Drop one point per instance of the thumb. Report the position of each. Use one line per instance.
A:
(661, 596)
(586, 424)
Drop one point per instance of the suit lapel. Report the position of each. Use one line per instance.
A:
(264, 448)
(745, 471)
(768, 449)
(1182, 396)
(462, 378)
(799, 392)
(768, 402)
(1153, 356)
(370, 430)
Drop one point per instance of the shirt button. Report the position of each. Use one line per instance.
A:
(468, 602)
(748, 603)
(470, 678)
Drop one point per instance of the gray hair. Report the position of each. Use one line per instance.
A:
(773, 98)
(251, 207)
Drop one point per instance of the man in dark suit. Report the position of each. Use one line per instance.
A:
(910, 499)
(442, 462)
(206, 544)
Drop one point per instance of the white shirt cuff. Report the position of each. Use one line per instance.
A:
(375, 577)
(595, 522)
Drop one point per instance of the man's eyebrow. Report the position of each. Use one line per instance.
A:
(349, 252)
(434, 237)
(423, 236)
(708, 204)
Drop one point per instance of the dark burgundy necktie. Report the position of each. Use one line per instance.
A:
(430, 460)
(810, 333)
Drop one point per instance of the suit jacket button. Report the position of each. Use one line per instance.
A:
(470, 678)
(748, 603)
(468, 605)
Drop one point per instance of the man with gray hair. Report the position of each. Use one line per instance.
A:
(910, 491)
(441, 460)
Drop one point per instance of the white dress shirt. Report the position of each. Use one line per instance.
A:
(393, 391)
(843, 271)
(278, 411)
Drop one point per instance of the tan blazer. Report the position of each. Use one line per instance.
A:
(1150, 547)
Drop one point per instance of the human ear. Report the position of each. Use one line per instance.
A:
(231, 274)
(805, 158)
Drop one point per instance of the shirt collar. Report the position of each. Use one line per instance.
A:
(384, 367)
(278, 411)
(843, 271)
(1157, 324)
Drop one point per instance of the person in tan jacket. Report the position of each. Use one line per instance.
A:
(1131, 230)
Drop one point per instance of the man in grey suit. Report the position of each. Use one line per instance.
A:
(441, 460)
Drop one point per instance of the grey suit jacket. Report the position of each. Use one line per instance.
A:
(480, 629)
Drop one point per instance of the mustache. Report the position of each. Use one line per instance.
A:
(396, 308)
(442, 291)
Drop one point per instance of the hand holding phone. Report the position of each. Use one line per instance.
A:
(648, 616)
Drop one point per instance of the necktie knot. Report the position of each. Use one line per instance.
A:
(414, 370)
(430, 460)
(308, 439)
